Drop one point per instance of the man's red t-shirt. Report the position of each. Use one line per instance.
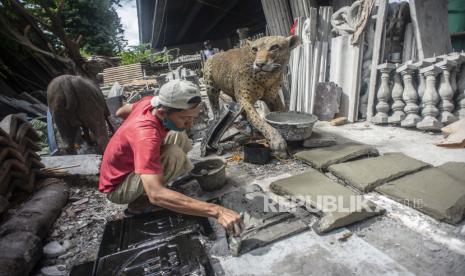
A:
(135, 147)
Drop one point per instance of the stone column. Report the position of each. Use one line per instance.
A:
(382, 107)
(398, 105)
(430, 99)
(457, 82)
(446, 92)
(410, 96)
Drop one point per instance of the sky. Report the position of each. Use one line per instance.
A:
(128, 15)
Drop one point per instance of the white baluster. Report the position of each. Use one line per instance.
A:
(398, 105)
(429, 100)
(446, 93)
(382, 107)
(410, 96)
(457, 81)
(421, 77)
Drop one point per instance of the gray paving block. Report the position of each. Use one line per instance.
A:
(318, 191)
(438, 192)
(322, 158)
(367, 174)
(454, 169)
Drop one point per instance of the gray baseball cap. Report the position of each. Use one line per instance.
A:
(178, 94)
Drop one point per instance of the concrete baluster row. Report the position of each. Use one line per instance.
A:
(427, 94)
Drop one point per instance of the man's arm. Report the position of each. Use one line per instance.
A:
(175, 201)
(124, 111)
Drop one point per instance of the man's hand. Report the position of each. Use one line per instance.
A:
(230, 220)
(159, 195)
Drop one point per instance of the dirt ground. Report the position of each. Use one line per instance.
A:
(403, 240)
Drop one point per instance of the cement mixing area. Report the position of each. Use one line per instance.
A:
(242, 137)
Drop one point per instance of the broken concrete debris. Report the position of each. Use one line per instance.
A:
(338, 121)
(322, 158)
(438, 192)
(345, 236)
(54, 249)
(367, 174)
(455, 133)
(334, 202)
(55, 270)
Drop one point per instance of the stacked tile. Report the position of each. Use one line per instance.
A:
(18, 158)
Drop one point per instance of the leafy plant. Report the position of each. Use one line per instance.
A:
(142, 53)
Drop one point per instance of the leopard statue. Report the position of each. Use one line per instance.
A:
(251, 73)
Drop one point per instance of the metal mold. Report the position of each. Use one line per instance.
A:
(181, 255)
(132, 232)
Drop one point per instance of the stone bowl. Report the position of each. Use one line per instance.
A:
(292, 125)
(210, 174)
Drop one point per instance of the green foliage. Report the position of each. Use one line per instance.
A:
(142, 53)
(84, 53)
(95, 20)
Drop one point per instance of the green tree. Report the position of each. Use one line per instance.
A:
(96, 22)
(63, 29)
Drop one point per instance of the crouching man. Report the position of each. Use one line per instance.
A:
(149, 150)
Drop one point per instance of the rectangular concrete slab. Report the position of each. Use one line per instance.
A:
(263, 225)
(454, 169)
(438, 192)
(337, 205)
(322, 158)
(367, 174)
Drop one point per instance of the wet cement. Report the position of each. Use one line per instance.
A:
(367, 174)
(318, 191)
(263, 225)
(438, 192)
(322, 158)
